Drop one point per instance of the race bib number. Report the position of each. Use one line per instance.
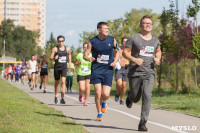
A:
(146, 51)
(62, 59)
(103, 59)
(85, 70)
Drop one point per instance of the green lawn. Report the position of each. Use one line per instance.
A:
(169, 99)
(20, 113)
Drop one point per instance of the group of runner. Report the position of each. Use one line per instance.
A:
(133, 62)
(14, 73)
(96, 66)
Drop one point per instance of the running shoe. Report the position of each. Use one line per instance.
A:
(31, 88)
(116, 97)
(40, 87)
(80, 98)
(99, 117)
(104, 107)
(62, 101)
(142, 127)
(56, 100)
(85, 103)
(121, 102)
(70, 91)
(44, 91)
(35, 85)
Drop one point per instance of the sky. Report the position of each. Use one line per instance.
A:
(71, 17)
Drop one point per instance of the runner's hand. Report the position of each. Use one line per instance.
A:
(81, 63)
(91, 59)
(157, 61)
(113, 64)
(56, 57)
(138, 61)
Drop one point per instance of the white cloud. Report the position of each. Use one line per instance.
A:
(71, 33)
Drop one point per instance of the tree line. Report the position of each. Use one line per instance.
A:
(180, 43)
(19, 42)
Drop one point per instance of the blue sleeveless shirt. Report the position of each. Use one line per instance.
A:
(102, 51)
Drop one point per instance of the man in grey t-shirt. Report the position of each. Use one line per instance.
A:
(145, 52)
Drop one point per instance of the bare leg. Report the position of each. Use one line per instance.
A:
(87, 89)
(98, 97)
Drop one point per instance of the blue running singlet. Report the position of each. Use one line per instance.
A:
(102, 51)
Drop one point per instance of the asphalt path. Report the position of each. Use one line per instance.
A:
(118, 118)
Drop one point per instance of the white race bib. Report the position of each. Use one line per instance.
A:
(85, 69)
(146, 51)
(103, 59)
(62, 59)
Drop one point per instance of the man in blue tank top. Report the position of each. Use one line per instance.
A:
(60, 54)
(103, 65)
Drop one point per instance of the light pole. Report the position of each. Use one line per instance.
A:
(4, 41)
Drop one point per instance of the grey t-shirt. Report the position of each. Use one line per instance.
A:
(144, 49)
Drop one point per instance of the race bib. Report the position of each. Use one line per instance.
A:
(85, 70)
(103, 59)
(69, 72)
(45, 66)
(146, 51)
(62, 59)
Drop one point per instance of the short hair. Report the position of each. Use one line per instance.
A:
(123, 38)
(60, 36)
(84, 43)
(145, 16)
(100, 24)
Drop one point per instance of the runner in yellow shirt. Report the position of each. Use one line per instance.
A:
(69, 78)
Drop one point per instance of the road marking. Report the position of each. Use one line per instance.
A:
(130, 115)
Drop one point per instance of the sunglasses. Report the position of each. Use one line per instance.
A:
(61, 40)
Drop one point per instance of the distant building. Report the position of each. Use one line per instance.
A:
(28, 13)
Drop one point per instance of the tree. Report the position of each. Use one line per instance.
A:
(192, 12)
(19, 41)
(49, 46)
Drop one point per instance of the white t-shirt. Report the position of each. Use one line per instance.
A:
(32, 65)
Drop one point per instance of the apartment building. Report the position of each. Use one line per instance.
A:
(28, 13)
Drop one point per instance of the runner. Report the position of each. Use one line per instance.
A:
(60, 55)
(37, 69)
(145, 51)
(23, 73)
(29, 77)
(103, 65)
(17, 73)
(43, 66)
(83, 75)
(32, 64)
(121, 75)
(9, 72)
(69, 78)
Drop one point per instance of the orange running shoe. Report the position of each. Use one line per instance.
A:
(99, 117)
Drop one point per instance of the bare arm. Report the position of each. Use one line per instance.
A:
(113, 64)
(127, 54)
(158, 54)
(87, 53)
(69, 57)
(53, 52)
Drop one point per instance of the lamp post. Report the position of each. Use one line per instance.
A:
(4, 41)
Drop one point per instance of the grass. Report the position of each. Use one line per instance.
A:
(20, 113)
(169, 99)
